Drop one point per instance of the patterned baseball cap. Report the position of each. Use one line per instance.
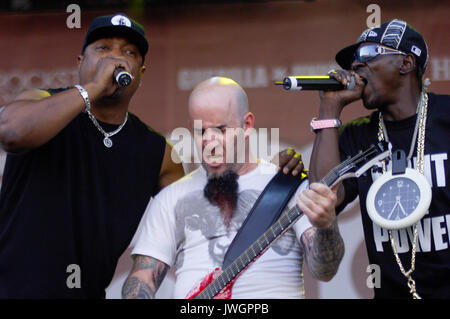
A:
(117, 25)
(396, 34)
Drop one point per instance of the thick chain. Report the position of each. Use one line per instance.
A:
(421, 122)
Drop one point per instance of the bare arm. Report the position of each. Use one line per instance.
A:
(324, 249)
(145, 278)
(35, 117)
(322, 243)
(325, 154)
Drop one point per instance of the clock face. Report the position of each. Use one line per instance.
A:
(398, 201)
(397, 198)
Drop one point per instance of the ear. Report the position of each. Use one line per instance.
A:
(408, 64)
(141, 73)
(79, 60)
(249, 123)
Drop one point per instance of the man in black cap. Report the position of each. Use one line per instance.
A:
(388, 63)
(79, 173)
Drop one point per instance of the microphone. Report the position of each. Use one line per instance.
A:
(314, 82)
(122, 77)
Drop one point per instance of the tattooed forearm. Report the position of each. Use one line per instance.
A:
(144, 279)
(324, 249)
(135, 288)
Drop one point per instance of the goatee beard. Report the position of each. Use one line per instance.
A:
(222, 191)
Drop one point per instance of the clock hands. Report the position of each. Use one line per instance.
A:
(393, 209)
(397, 202)
(401, 207)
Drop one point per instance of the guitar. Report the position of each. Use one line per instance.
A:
(218, 284)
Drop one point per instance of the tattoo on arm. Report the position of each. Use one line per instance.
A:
(324, 249)
(145, 278)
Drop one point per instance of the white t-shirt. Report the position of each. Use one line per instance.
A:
(182, 229)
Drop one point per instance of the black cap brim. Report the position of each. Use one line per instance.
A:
(346, 56)
(118, 31)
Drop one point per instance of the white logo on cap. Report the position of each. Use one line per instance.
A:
(416, 50)
(121, 20)
(372, 34)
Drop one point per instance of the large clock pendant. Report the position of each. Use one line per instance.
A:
(397, 201)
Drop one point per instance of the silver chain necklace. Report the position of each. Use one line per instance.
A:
(106, 141)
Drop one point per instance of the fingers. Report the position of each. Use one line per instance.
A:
(345, 77)
(283, 157)
(342, 76)
(292, 164)
(332, 102)
(105, 70)
(358, 80)
(289, 161)
(299, 167)
(318, 203)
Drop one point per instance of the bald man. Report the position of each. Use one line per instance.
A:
(190, 224)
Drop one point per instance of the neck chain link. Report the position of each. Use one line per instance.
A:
(107, 141)
(419, 128)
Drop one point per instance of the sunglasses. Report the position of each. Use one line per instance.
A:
(368, 52)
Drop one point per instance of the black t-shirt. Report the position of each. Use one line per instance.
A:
(70, 208)
(432, 273)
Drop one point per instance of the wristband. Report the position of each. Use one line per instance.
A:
(85, 96)
(327, 123)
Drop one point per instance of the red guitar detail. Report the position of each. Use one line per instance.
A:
(225, 293)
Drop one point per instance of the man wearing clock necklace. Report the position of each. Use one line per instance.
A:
(388, 63)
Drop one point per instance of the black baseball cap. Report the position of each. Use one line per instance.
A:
(396, 34)
(117, 25)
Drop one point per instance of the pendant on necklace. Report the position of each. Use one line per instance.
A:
(108, 142)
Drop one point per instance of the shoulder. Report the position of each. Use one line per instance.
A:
(358, 127)
(439, 113)
(195, 179)
(267, 166)
(145, 127)
(360, 122)
(148, 134)
(439, 96)
(259, 177)
(442, 100)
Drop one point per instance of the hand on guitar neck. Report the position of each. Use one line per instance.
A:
(318, 204)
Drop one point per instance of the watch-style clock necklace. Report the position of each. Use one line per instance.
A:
(402, 195)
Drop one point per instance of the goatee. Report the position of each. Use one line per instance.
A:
(222, 191)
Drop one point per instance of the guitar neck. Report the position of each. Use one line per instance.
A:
(258, 247)
(285, 221)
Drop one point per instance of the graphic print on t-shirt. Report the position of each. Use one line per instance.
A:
(194, 213)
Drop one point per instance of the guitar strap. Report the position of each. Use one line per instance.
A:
(264, 213)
